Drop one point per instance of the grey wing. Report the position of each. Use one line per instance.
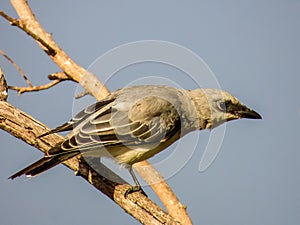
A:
(79, 118)
(146, 121)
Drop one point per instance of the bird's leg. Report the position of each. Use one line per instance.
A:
(137, 186)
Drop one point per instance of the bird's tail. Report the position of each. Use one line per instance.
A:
(44, 164)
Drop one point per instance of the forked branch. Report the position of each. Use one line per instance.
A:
(28, 23)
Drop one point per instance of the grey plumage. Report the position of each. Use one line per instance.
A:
(135, 123)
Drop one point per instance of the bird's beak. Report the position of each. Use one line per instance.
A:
(249, 114)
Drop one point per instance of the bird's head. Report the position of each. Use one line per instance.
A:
(215, 107)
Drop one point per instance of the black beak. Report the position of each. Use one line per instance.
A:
(249, 114)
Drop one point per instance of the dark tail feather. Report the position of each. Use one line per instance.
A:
(65, 127)
(44, 164)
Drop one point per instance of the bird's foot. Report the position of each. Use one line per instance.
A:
(134, 189)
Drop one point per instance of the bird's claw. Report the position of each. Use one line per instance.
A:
(134, 189)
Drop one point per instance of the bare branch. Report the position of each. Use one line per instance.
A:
(89, 81)
(56, 77)
(163, 190)
(17, 67)
(22, 90)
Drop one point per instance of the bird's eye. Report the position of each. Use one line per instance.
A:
(222, 105)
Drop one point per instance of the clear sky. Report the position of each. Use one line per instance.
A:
(252, 47)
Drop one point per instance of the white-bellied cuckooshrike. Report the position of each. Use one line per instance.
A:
(135, 123)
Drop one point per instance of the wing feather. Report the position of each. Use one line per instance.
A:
(147, 120)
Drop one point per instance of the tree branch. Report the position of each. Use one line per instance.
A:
(17, 67)
(56, 77)
(164, 191)
(22, 90)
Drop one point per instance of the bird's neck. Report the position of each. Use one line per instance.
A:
(201, 110)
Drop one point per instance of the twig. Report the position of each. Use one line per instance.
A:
(17, 67)
(22, 90)
(56, 77)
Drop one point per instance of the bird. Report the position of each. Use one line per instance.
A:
(135, 123)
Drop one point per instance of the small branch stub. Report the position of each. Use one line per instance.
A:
(3, 87)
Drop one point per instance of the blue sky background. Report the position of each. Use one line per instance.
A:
(253, 49)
